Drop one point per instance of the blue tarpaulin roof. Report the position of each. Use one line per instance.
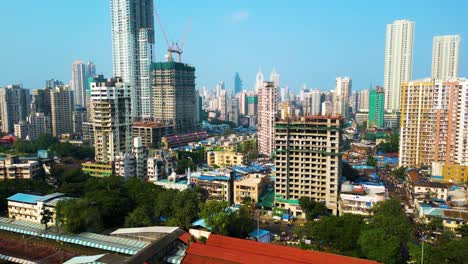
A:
(259, 233)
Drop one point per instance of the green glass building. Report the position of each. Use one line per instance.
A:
(376, 108)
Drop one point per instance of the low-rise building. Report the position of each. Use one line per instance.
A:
(151, 132)
(421, 188)
(360, 198)
(132, 164)
(253, 185)
(29, 207)
(14, 168)
(99, 170)
(160, 165)
(169, 142)
(219, 185)
(455, 173)
(452, 218)
(224, 158)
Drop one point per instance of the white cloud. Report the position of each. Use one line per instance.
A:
(239, 16)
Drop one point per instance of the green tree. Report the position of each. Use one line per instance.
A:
(216, 216)
(463, 230)
(435, 225)
(371, 161)
(46, 217)
(138, 218)
(311, 208)
(242, 222)
(184, 164)
(186, 207)
(378, 245)
(399, 173)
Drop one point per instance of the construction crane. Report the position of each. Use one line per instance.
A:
(174, 47)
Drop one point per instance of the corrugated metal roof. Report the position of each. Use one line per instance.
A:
(24, 198)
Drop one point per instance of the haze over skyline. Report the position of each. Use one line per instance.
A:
(307, 42)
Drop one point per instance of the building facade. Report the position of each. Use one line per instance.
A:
(267, 108)
(79, 84)
(174, 96)
(111, 118)
(151, 133)
(14, 106)
(28, 207)
(12, 168)
(342, 94)
(376, 108)
(132, 23)
(308, 162)
(224, 158)
(61, 107)
(445, 56)
(398, 61)
(434, 122)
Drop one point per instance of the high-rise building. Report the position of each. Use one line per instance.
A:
(35, 125)
(111, 118)
(174, 95)
(242, 100)
(267, 107)
(252, 105)
(445, 56)
(79, 84)
(52, 83)
(398, 61)
(80, 115)
(259, 79)
(14, 106)
(61, 107)
(363, 105)
(41, 101)
(434, 122)
(133, 49)
(275, 77)
(38, 124)
(342, 94)
(233, 111)
(237, 84)
(312, 103)
(223, 99)
(376, 108)
(308, 162)
(284, 94)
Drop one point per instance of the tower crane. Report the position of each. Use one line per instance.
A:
(174, 47)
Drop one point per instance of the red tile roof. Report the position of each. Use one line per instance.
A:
(185, 237)
(221, 249)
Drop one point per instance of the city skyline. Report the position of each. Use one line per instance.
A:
(314, 62)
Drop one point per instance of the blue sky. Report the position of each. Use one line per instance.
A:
(309, 41)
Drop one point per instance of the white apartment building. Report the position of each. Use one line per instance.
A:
(342, 93)
(132, 24)
(359, 199)
(267, 107)
(28, 207)
(445, 56)
(308, 162)
(398, 61)
(79, 83)
(160, 165)
(111, 118)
